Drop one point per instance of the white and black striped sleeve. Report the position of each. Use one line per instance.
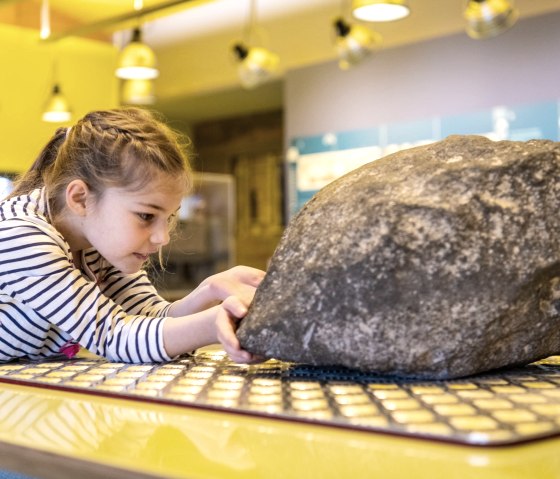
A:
(36, 272)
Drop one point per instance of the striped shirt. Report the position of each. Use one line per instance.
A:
(47, 303)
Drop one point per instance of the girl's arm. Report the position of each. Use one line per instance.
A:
(240, 282)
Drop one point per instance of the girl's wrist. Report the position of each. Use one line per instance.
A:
(186, 333)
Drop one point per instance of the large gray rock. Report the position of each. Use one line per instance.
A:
(435, 262)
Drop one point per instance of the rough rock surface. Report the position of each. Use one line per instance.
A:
(436, 262)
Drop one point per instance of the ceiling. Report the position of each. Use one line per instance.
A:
(193, 42)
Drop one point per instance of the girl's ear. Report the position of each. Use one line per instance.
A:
(77, 193)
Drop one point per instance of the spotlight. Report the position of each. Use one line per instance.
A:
(256, 64)
(353, 43)
(488, 18)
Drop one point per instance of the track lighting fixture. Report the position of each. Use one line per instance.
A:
(256, 64)
(380, 10)
(353, 43)
(137, 60)
(488, 18)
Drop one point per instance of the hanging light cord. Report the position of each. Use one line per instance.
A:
(251, 22)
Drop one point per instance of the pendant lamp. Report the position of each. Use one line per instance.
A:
(57, 109)
(380, 10)
(488, 18)
(353, 43)
(137, 60)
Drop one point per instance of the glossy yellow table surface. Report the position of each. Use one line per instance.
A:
(42, 430)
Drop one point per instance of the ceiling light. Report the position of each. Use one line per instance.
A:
(57, 109)
(137, 60)
(380, 11)
(137, 92)
(45, 27)
(354, 43)
(256, 64)
(488, 18)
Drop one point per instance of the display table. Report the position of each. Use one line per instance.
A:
(204, 417)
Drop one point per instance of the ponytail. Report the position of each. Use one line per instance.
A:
(123, 147)
(34, 177)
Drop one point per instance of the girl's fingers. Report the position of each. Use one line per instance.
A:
(235, 306)
(241, 281)
(226, 326)
(248, 275)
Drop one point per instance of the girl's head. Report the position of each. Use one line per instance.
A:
(123, 148)
(113, 181)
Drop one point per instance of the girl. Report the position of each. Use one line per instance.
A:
(75, 233)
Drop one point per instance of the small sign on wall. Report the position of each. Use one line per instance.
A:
(315, 161)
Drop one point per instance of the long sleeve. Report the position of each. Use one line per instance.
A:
(45, 301)
(135, 293)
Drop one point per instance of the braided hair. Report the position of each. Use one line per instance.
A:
(123, 148)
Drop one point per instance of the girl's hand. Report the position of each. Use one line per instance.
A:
(232, 310)
(240, 282)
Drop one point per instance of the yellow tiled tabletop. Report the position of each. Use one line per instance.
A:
(346, 417)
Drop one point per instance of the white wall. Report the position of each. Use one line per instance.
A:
(440, 77)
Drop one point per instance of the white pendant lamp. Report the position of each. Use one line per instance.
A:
(57, 109)
(488, 18)
(380, 10)
(137, 60)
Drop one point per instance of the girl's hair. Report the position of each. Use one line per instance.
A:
(123, 148)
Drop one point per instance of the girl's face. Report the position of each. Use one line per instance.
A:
(128, 226)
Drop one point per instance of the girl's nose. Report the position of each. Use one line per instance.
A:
(160, 236)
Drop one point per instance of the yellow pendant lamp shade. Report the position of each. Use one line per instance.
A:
(137, 60)
(57, 109)
(379, 10)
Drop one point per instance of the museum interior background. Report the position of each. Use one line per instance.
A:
(260, 153)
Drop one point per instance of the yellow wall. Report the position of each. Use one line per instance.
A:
(85, 74)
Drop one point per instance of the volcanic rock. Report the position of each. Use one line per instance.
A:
(435, 262)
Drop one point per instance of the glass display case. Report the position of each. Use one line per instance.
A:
(203, 241)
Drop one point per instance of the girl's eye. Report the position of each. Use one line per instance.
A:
(145, 216)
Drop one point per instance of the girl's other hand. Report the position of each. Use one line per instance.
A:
(232, 310)
(239, 281)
